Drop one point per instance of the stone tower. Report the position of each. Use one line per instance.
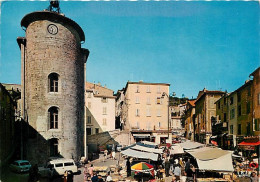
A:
(53, 76)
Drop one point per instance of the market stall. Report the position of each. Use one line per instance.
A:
(139, 154)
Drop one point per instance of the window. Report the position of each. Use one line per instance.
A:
(225, 100)
(53, 117)
(97, 130)
(137, 113)
(232, 113)
(148, 126)
(248, 127)
(212, 105)
(158, 113)
(249, 91)
(148, 101)
(148, 89)
(231, 129)
(225, 117)
(137, 88)
(89, 105)
(68, 164)
(104, 100)
(89, 94)
(239, 110)
(53, 147)
(89, 131)
(159, 124)
(158, 101)
(104, 110)
(59, 165)
(238, 97)
(239, 129)
(104, 121)
(53, 82)
(248, 108)
(137, 101)
(89, 119)
(231, 100)
(148, 113)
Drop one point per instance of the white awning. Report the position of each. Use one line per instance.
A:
(176, 149)
(213, 159)
(139, 154)
(147, 149)
(189, 145)
(149, 143)
(141, 135)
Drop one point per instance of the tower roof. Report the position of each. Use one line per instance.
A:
(52, 16)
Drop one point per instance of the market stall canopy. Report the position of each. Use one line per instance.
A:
(213, 159)
(249, 143)
(189, 145)
(149, 143)
(176, 149)
(141, 135)
(139, 154)
(147, 149)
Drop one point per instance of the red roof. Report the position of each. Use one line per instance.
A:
(192, 102)
(250, 144)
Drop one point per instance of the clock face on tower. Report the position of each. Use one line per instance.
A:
(52, 29)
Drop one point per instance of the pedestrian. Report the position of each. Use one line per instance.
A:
(90, 170)
(189, 175)
(187, 166)
(177, 172)
(128, 167)
(113, 155)
(95, 177)
(70, 176)
(109, 178)
(167, 167)
(105, 153)
(100, 179)
(172, 164)
(254, 177)
(85, 173)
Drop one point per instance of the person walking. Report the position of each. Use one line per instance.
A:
(109, 178)
(128, 167)
(85, 172)
(177, 172)
(90, 170)
(167, 167)
(187, 165)
(172, 164)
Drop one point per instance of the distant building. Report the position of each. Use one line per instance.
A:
(119, 109)
(256, 101)
(190, 120)
(146, 112)
(100, 109)
(205, 109)
(176, 114)
(7, 129)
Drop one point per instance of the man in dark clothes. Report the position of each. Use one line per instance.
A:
(128, 167)
(94, 178)
(167, 167)
(172, 164)
(189, 175)
(100, 179)
(187, 165)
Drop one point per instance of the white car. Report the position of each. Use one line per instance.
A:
(59, 166)
(20, 166)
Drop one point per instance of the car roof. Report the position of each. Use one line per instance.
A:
(60, 160)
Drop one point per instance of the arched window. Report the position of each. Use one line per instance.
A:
(54, 147)
(53, 117)
(53, 82)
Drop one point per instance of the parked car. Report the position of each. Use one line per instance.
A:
(20, 166)
(59, 166)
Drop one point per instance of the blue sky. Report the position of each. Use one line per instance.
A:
(190, 45)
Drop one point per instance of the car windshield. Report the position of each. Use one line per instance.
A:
(24, 163)
(68, 164)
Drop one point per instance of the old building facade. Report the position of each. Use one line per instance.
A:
(176, 114)
(190, 120)
(7, 129)
(53, 74)
(205, 109)
(256, 101)
(146, 111)
(100, 108)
